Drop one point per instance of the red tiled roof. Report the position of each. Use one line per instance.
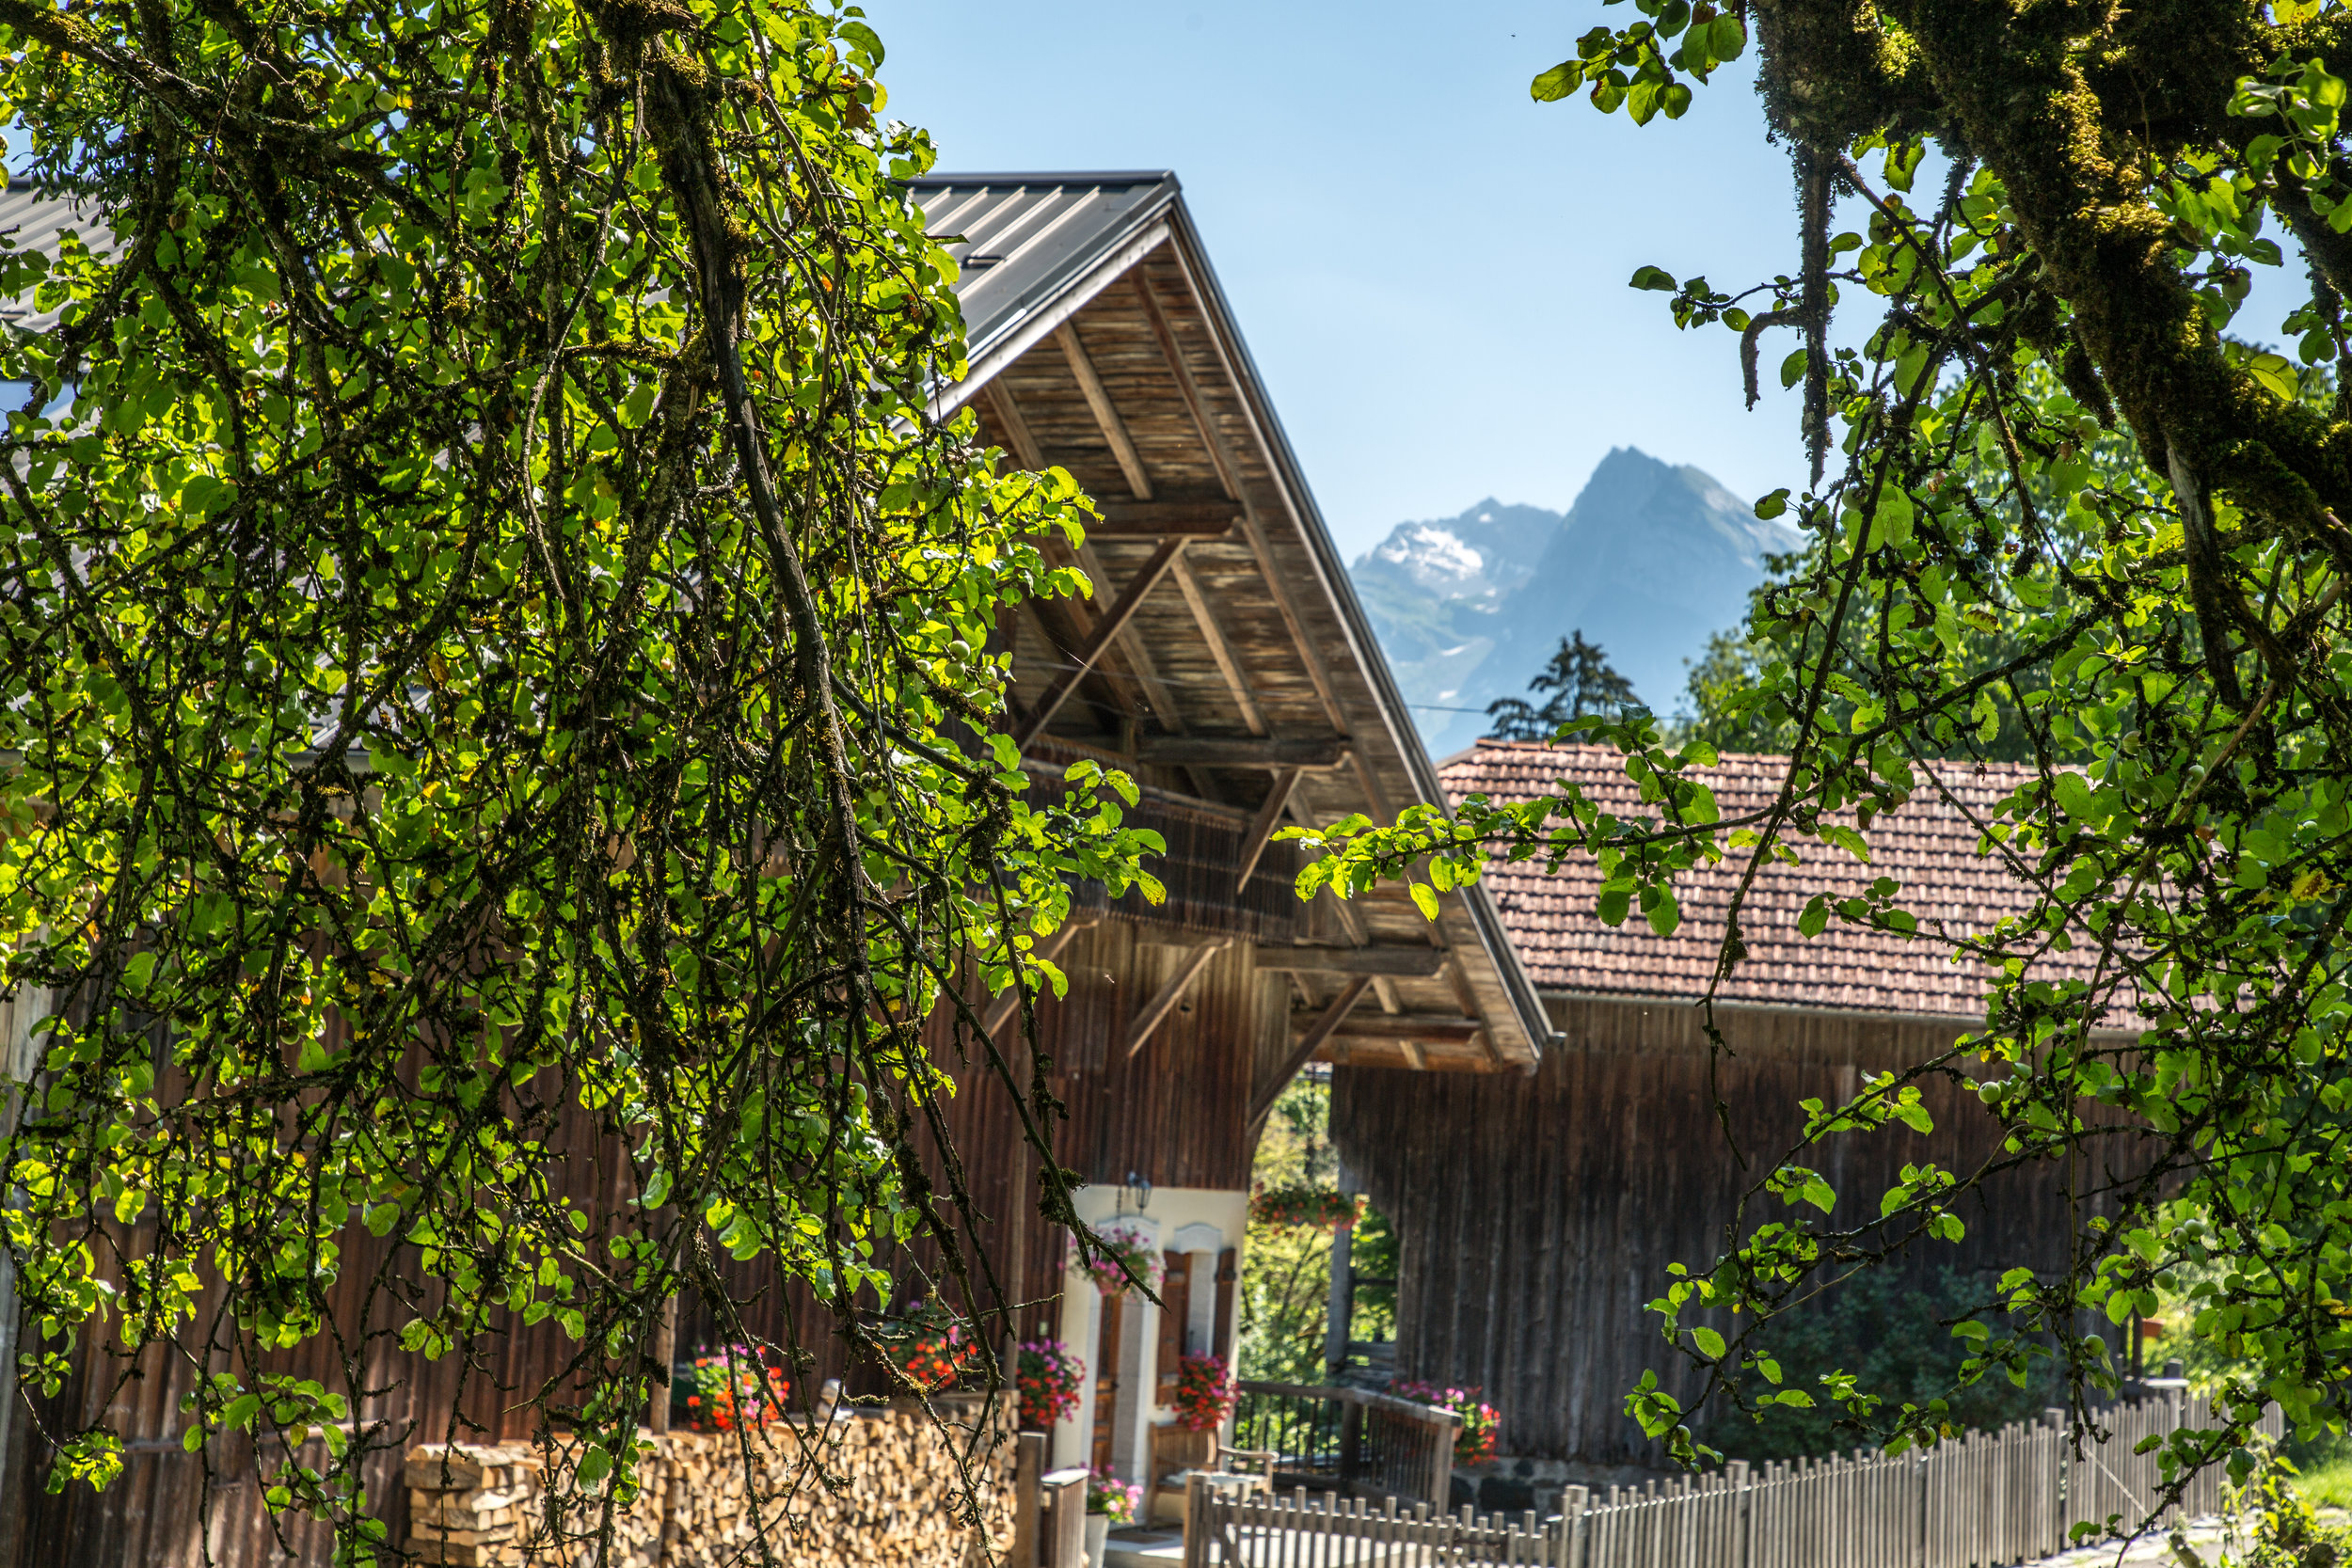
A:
(1929, 846)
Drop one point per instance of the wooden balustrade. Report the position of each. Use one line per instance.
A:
(1371, 1445)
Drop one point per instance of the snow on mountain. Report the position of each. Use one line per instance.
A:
(1651, 560)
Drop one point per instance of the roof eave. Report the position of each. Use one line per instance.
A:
(1365, 646)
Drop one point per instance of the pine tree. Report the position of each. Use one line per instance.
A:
(1580, 681)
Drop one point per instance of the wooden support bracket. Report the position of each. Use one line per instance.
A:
(1164, 1000)
(1105, 630)
(1269, 815)
(1308, 1043)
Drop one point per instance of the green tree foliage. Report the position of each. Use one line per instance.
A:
(1894, 1332)
(495, 704)
(1286, 1274)
(1580, 681)
(2167, 1035)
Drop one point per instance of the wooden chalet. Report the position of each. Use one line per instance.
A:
(1223, 661)
(1536, 1220)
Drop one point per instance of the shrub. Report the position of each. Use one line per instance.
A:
(1895, 1334)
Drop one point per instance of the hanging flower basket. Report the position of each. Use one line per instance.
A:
(1293, 1208)
(1121, 1244)
(1205, 1392)
(1049, 1377)
(1474, 1441)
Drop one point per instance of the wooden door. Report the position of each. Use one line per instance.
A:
(1107, 1377)
(1175, 1308)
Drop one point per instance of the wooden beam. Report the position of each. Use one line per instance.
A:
(1220, 650)
(1163, 1003)
(1219, 750)
(1050, 949)
(1308, 1043)
(1156, 519)
(1024, 447)
(1277, 799)
(1122, 610)
(1413, 1056)
(1252, 527)
(1166, 332)
(1413, 960)
(1099, 399)
(1438, 1028)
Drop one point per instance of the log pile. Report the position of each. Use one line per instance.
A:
(862, 1488)
(469, 1503)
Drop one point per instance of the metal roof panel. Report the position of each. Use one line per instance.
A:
(1022, 239)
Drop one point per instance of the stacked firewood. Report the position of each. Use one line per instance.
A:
(859, 1488)
(468, 1503)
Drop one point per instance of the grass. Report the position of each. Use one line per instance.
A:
(2327, 1484)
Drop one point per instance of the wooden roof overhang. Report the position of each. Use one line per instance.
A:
(1223, 657)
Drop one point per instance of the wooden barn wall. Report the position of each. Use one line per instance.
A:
(162, 1510)
(1173, 1114)
(1536, 1219)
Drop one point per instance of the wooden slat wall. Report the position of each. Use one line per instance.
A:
(1538, 1219)
(1173, 1114)
(158, 1512)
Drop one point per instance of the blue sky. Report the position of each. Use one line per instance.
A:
(1430, 268)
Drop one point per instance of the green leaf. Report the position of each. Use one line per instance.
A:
(1710, 1344)
(1425, 900)
(1654, 277)
(1557, 83)
(1814, 919)
(1769, 507)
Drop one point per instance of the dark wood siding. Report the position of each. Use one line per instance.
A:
(1537, 1218)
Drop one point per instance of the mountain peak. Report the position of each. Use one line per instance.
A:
(1651, 560)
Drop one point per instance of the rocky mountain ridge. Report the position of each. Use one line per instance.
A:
(1651, 560)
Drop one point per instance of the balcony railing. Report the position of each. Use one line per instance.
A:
(1347, 1440)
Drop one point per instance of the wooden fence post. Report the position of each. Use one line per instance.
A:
(1567, 1550)
(1064, 1494)
(1441, 1464)
(1028, 1469)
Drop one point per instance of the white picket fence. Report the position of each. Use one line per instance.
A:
(1986, 1500)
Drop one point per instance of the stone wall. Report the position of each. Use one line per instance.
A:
(859, 1488)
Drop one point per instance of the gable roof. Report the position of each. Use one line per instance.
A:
(1930, 846)
(1243, 678)
(1247, 672)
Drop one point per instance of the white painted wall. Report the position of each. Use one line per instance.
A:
(1200, 1222)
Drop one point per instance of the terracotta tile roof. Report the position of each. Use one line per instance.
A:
(1929, 846)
